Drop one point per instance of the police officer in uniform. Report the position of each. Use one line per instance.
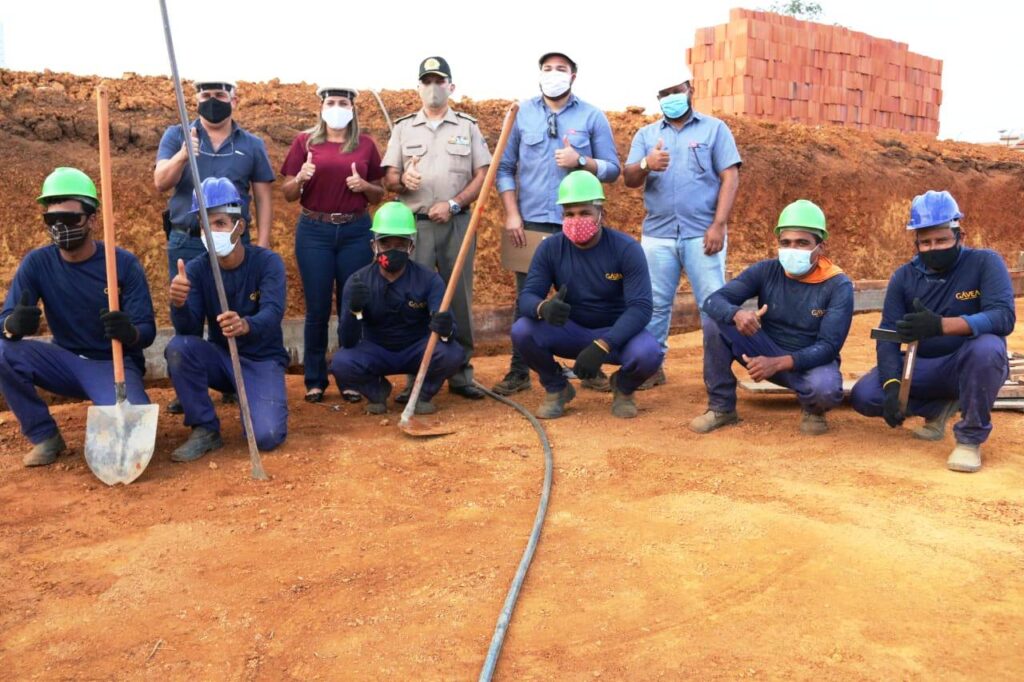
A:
(436, 161)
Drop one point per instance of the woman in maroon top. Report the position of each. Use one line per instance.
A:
(334, 171)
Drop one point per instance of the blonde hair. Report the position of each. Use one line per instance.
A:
(318, 133)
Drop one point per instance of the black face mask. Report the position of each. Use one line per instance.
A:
(393, 260)
(68, 237)
(214, 110)
(940, 260)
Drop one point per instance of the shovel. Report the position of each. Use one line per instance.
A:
(119, 438)
(407, 423)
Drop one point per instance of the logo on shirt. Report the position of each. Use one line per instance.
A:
(255, 296)
(458, 139)
(417, 305)
(613, 276)
(968, 295)
(817, 312)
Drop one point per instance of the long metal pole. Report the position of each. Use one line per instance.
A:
(243, 401)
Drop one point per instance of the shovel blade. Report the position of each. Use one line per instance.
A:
(119, 440)
(419, 429)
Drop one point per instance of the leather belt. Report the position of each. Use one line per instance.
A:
(334, 218)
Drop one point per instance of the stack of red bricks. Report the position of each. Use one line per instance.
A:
(776, 67)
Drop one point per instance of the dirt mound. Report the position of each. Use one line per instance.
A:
(862, 180)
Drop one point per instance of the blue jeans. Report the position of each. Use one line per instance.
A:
(973, 375)
(27, 364)
(327, 255)
(818, 389)
(539, 342)
(365, 365)
(667, 259)
(196, 365)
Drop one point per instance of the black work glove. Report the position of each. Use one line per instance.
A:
(589, 361)
(24, 319)
(920, 324)
(555, 311)
(358, 295)
(891, 405)
(117, 325)
(443, 324)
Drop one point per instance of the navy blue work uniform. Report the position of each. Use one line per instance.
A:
(256, 291)
(78, 363)
(392, 336)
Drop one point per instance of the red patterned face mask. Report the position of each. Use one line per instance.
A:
(579, 229)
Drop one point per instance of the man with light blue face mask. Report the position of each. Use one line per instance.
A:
(688, 165)
(254, 283)
(805, 307)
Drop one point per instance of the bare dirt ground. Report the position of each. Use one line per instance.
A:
(751, 553)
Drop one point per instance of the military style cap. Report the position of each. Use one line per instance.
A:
(436, 65)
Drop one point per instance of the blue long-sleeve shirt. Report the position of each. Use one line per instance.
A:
(528, 164)
(255, 290)
(73, 295)
(398, 313)
(809, 320)
(977, 288)
(608, 284)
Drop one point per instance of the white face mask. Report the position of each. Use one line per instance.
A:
(336, 118)
(554, 84)
(223, 242)
(434, 95)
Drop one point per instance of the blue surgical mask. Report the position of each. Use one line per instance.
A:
(675, 106)
(796, 262)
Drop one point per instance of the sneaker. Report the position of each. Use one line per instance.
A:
(174, 407)
(554, 404)
(965, 458)
(598, 383)
(656, 380)
(200, 441)
(315, 395)
(711, 420)
(623, 406)
(45, 453)
(813, 424)
(935, 429)
(350, 395)
(513, 383)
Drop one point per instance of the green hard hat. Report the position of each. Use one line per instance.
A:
(803, 214)
(578, 187)
(68, 182)
(394, 219)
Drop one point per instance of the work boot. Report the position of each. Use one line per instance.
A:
(623, 406)
(965, 457)
(711, 420)
(598, 383)
(200, 441)
(378, 404)
(174, 407)
(657, 379)
(935, 429)
(45, 453)
(813, 424)
(425, 407)
(554, 404)
(467, 391)
(513, 383)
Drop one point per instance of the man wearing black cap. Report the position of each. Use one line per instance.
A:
(555, 133)
(436, 161)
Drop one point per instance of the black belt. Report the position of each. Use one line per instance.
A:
(190, 231)
(334, 218)
(421, 216)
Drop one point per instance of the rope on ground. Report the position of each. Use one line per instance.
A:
(531, 546)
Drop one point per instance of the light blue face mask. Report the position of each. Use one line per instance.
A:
(223, 242)
(796, 262)
(675, 106)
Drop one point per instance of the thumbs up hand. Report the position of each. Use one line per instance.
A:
(555, 311)
(355, 182)
(748, 322)
(307, 170)
(411, 178)
(24, 319)
(658, 159)
(180, 286)
(566, 157)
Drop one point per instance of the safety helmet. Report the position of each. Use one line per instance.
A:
(933, 209)
(220, 196)
(803, 215)
(578, 187)
(394, 219)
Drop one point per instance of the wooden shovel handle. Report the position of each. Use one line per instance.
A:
(107, 205)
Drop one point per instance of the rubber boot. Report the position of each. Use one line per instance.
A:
(965, 458)
(935, 429)
(45, 453)
(711, 420)
(813, 424)
(200, 441)
(623, 406)
(554, 404)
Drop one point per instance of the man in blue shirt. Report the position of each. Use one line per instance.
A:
(688, 165)
(805, 307)
(391, 307)
(254, 284)
(601, 305)
(957, 303)
(70, 278)
(554, 134)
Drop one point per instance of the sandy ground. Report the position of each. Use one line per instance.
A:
(750, 553)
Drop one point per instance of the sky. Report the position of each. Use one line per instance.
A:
(493, 47)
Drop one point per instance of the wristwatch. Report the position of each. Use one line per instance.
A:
(454, 207)
(643, 164)
(583, 161)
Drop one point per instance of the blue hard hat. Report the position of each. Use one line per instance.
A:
(220, 195)
(933, 208)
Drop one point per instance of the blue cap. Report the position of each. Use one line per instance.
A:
(932, 209)
(220, 195)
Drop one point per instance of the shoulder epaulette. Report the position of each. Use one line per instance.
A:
(465, 116)
(399, 120)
